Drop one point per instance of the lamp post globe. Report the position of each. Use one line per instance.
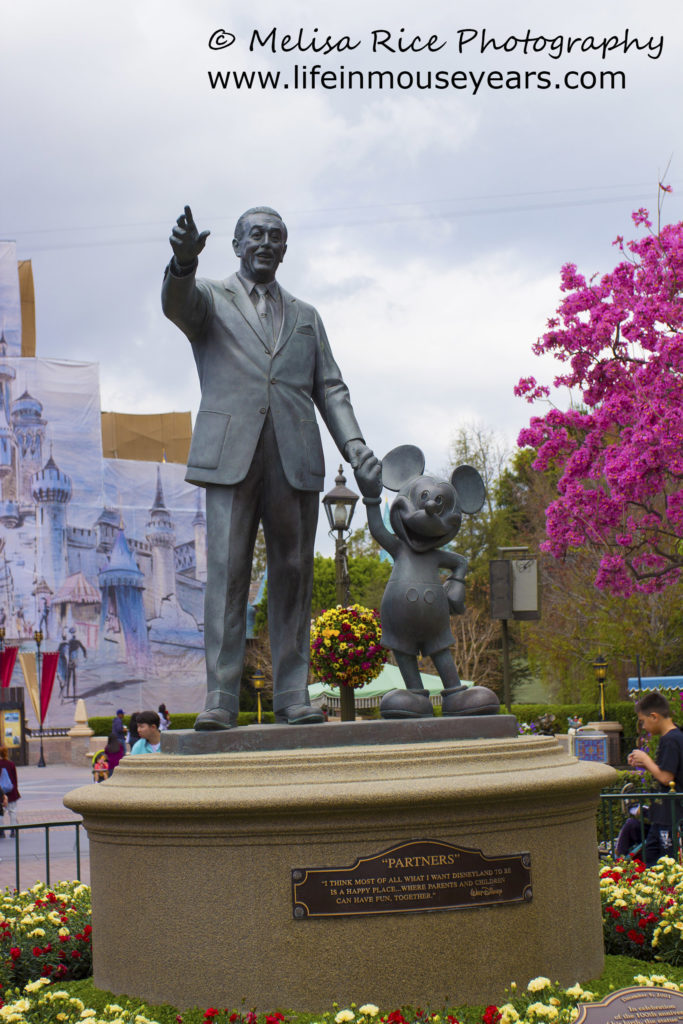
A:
(600, 669)
(38, 637)
(339, 504)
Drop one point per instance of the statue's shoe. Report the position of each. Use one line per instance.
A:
(472, 700)
(406, 704)
(216, 718)
(299, 714)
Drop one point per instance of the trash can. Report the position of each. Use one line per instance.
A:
(591, 745)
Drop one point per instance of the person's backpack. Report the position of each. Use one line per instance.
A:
(6, 784)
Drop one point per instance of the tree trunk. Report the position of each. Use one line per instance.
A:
(348, 706)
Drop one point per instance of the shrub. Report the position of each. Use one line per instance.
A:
(643, 909)
(101, 724)
(45, 933)
(622, 711)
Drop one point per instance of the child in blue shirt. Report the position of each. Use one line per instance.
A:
(149, 733)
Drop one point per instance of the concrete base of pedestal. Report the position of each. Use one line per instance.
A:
(192, 858)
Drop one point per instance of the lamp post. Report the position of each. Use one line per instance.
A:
(258, 681)
(600, 669)
(339, 504)
(38, 637)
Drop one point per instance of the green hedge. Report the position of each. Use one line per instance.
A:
(101, 724)
(622, 711)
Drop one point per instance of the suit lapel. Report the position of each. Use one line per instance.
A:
(244, 305)
(290, 315)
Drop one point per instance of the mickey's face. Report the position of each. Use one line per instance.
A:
(426, 514)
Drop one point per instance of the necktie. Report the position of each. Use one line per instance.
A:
(265, 312)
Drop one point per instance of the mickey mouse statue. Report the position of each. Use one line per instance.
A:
(425, 515)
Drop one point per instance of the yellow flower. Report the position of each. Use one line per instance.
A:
(34, 986)
(88, 1013)
(37, 933)
(542, 1011)
(369, 1009)
(538, 984)
(575, 992)
(77, 1003)
(343, 1016)
(64, 932)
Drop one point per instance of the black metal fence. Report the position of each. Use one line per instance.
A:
(615, 810)
(46, 826)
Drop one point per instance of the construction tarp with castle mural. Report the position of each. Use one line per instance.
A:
(102, 542)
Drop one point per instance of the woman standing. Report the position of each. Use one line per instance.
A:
(164, 718)
(14, 793)
(114, 751)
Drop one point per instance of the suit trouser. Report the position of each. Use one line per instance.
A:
(289, 519)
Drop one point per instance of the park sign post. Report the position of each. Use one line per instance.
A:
(513, 583)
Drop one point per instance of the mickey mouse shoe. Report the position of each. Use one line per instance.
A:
(472, 700)
(406, 704)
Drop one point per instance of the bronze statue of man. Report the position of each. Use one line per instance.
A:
(264, 364)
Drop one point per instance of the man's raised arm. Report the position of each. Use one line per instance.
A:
(181, 300)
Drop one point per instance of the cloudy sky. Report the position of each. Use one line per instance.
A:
(427, 225)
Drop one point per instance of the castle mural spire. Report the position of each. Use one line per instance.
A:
(161, 537)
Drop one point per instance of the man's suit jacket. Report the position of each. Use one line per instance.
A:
(241, 380)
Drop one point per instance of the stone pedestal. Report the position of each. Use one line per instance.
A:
(192, 858)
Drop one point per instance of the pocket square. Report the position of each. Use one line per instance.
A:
(305, 329)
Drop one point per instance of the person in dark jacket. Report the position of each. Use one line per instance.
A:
(118, 728)
(14, 793)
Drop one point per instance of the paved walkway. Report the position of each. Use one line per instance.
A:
(42, 790)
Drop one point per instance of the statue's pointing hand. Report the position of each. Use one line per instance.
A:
(186, 241)
(366, 467)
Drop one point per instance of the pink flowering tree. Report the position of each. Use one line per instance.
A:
(619, 447)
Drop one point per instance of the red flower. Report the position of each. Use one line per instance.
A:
(211, 1013)
(636, 937)
(37, 951)
(15, 952)
(621, 929)
(234, 1017)
(46, 971)
(75, 954)
(491, 1015)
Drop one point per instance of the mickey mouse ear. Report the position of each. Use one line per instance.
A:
(400, 465)
(470, 488)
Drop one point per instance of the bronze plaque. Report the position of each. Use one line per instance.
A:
(416, 876)
(634, 1006)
